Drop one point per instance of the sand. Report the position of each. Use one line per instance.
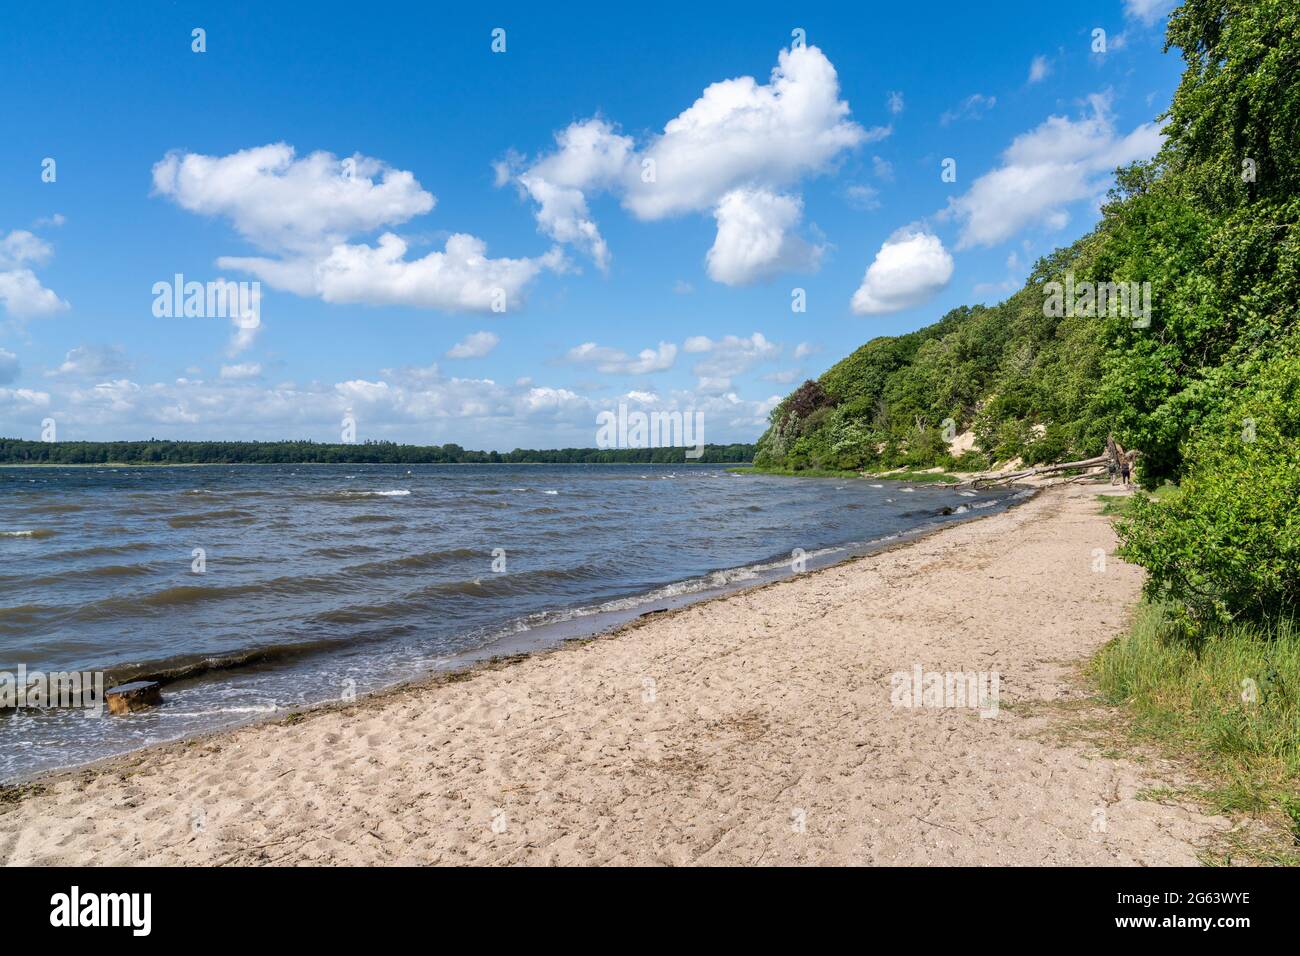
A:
(756, 728)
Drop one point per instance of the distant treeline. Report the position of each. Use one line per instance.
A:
(153, 451)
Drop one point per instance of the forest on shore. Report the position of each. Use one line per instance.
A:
(156, 452)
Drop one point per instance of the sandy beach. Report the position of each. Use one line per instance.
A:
(756, 728)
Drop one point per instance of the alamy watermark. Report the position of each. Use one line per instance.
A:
(976, 690)
(63, 689)
(626, 429)
(1087, 299)
(241, 302)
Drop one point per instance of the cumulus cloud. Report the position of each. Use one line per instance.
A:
(1042, 171)
(612, 361)
(405, 404)
(911, 266)
(94, 361)
(755, 239)
(474, 345)
(307, 213)
(740, 137)
(279, 202)
(589, 155)
(727, 357)
(1039, 69)
(21, 293)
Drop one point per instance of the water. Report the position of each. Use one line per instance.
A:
(324, 580)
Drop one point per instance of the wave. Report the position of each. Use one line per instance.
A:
(208, 517)
(30, 533)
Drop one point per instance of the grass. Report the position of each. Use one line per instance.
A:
(1119, 506)
(1228, 702)
(913, 477)
(799, 473)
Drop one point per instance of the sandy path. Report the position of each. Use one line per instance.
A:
(769, 738)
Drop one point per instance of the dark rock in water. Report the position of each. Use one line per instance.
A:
(946, 511)
(138, 695)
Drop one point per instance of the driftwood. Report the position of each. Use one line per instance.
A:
(1040, 470)
(1115, 455)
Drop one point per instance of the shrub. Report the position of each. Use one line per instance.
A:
(1227, 545)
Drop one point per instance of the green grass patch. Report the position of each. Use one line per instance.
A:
(1121, 506)
(1228, 699)
(799, 472)
(917, 477)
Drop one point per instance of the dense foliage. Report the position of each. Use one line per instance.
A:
(1210, 223)
(18, 452)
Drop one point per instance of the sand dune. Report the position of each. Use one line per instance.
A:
(756, 728)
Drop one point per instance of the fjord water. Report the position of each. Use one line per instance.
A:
(319, 581)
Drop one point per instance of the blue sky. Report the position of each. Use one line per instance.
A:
(635, 189)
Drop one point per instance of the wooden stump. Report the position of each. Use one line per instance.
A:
(138, 695)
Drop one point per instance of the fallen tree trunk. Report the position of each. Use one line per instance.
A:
(1040, 470)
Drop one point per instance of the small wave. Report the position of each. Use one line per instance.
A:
(31, 533)
(53, 509)
(967, 494)
(550, 492)
(206, 517)
(114, 571)
(876, 486)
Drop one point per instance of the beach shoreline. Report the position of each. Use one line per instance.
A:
(637, 717)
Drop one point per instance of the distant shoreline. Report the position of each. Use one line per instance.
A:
(342, 464)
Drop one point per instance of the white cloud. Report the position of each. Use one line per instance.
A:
(24, 398)
(754, 240)
(882, 168)
(21, 293)
(305, 211)
(911, 266)
(8, 367)
(474, 345)
(417, 404)
(244, 370)
(1059, 162)
(461, 278)
(589, 155)
(727, 358)
(94, 361)
(739, 135)
(894, 102)
(613, 361)
(281, 203)
(1148, 11)
(1039, 69)
(804, 349)
(974, 107)
(864, 197)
